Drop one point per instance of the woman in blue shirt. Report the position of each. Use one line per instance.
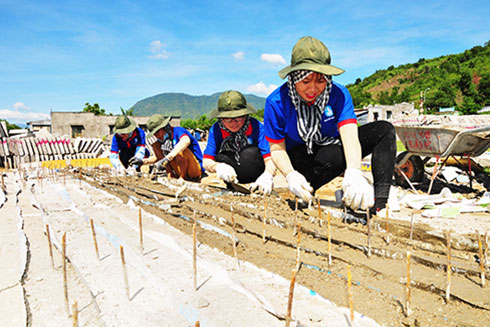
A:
(313, 135)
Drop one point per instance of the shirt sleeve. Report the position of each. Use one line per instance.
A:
(114, 145)
(211, 146)
(263, 144)
(141, 146)
(274, 120)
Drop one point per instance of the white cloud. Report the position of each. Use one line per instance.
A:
(261, 88)
(273, 58)
(20, 105)
(240, 55)
(157, 51)
(18, 116)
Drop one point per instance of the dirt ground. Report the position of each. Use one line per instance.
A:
(160, 276)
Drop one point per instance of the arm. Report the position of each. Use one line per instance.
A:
(270, 167)
(352, 147)
(280, 157)
(183, 143)
(157, 154)
(209, 165)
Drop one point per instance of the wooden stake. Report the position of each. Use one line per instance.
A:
(125, 272)
(235, 254)
(65, 282)
(298, 241)
(74, 315)
(349, 292)
(387, 224)
(265, 219)
(50, 246)
(408, 288)
(368, 217)
(482, 260)
(141, 230)
(329, 218)
(194, 252)
(95, 238)
(448, 286)
(290, 297)
(198, 324)
(295, 231)
(411, 226)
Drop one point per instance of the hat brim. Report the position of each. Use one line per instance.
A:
(322, 69)
(156, 129)
(126, 130)
(232, 113)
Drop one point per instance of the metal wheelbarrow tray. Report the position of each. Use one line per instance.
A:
(440, 137)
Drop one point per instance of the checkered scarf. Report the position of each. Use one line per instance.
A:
(236, 141)
(310, 113)
(167, 145)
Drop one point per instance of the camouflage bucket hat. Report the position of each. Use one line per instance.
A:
(155, 123)
(124, 125)
(310, 54)
(231, 104)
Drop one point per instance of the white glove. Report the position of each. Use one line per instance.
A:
(226, 172)
(300, 187)
(358, 193)
(119, 170)
(263, 184)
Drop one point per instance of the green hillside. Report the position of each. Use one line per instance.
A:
(459, 80)
(185, 105)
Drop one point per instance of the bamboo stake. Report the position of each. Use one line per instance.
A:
(125, 272)
(482, 260)
(411, 227)
(95, 239)
(485, 254)
(235, 254)
(448, 288)
(387, 224)
(349, 292)
(198, 324)
(408, 288)
(50, 246)
(290, 297)
(295, 231)
(194, 252)
(298, 240)
(65, 282)
(368, 215)
(141, 230)
(74, 314)
(329, 218)
(265, 219)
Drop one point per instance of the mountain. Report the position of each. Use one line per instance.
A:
(457, 80)
(185, 105)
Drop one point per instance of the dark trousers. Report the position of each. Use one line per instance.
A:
(251, 163)
(127, 153)
(327, 162)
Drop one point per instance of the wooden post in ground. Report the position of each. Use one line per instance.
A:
(350, 295)
(387, 224)
(298, 249)
(65, 281)
(408, 288)
(265, 219)
(94, 238)
(235, 254)
(198, 324)
(74, 315)
(448, 286)
(295, 217)
(50, 246)
(125, 272)
(482, 260)
(329, 217)
(141, 230)
(411, 226)
(194, 251)
(368, 218)
(290, 297)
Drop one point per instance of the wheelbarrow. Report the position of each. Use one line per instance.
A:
(441, 140)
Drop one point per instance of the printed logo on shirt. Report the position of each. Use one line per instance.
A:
(249, 140)
(328, 111)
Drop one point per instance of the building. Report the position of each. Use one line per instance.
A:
(87, 124)
(38, 125)
(390, 112)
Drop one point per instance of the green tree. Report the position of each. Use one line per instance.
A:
(384, 98)
(469, 106)
(360, 98)
(484, 89)
(10, 126)
(95, 109)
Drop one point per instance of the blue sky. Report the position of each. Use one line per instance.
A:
(58, 55)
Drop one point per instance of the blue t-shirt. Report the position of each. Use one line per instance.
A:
(194, 146)
(254, 133)
(136, 140)
(280, 116)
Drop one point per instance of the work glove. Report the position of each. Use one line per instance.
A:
(263, 184)
(160, 166)
(135, 162)
(226, 172)
(358, 193)
(299, 186)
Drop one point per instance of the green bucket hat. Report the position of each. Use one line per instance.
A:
(231, 104)
(155, 122)
(310, 54)
(124, 125)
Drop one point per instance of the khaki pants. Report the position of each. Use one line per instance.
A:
(185, 165)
